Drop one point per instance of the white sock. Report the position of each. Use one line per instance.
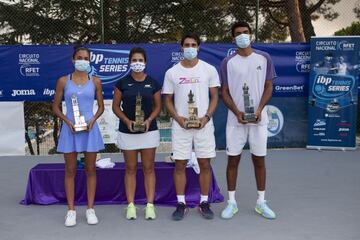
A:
(181, 199)
(232, 196)
(261, 197)
(204, 198)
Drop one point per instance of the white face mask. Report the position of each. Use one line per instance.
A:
(137, 66)
(243, 40)
(190, 53)
(82, 65)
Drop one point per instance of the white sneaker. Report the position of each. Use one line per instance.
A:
(70, 218)
(91, 217)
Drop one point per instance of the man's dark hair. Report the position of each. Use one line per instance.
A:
(79, 48)
(239, 24)
(191, 35)
(137, 50)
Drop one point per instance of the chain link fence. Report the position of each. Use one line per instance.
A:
(151, 21)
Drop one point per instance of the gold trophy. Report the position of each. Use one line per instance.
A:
(248, 104)
(139, 125)
(193, 120)
(80, 124)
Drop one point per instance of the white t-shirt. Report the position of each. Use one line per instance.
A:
(342, 68)
(180, 80)
(253, 70)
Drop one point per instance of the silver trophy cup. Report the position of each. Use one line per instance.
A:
(80, 124)
(248, 104)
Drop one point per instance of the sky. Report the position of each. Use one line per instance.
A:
(347, 16)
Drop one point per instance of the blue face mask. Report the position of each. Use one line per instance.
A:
(190, 53)
(82, 65)
(243, 40)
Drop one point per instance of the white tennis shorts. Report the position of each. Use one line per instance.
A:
(203, 141)
(237, 136)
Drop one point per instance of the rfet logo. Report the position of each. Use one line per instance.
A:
(29, 71)
(329, 86)
(109, 65)
(29, 64)
(302, 59)
(346, 46)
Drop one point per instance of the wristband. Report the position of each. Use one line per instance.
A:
(208, 116)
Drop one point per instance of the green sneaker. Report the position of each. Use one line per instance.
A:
(131, 212)
(150, 211)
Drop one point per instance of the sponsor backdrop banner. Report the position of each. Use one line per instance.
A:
(29, 73)
(333, 92)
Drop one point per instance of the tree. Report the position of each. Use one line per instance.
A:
(294, 19)
(50, 22)
(352, 30)
(357, 9)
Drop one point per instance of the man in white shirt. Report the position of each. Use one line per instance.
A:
(199, 77)
(246, 77)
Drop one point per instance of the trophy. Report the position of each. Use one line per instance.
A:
(139, 125)
(80, 124)
(193, 120)
(249, 107)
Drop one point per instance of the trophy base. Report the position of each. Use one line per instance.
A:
(250, 117)
(195, 124)
(81, 128)
(138, 127)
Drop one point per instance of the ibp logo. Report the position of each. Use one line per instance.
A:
(109, 65)
(329, 86)
(346, 46)
(323, 80)
(48, 92)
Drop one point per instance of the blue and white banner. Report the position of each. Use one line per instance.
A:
(333, 92)
(29, 73)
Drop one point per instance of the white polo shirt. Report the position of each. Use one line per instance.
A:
(180, 80)
(253, 70)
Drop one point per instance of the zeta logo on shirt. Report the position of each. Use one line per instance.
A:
(147, 86)
(186, 80)
(130, 84)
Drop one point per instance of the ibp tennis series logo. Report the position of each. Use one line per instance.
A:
(109, 65)
(329, 86)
